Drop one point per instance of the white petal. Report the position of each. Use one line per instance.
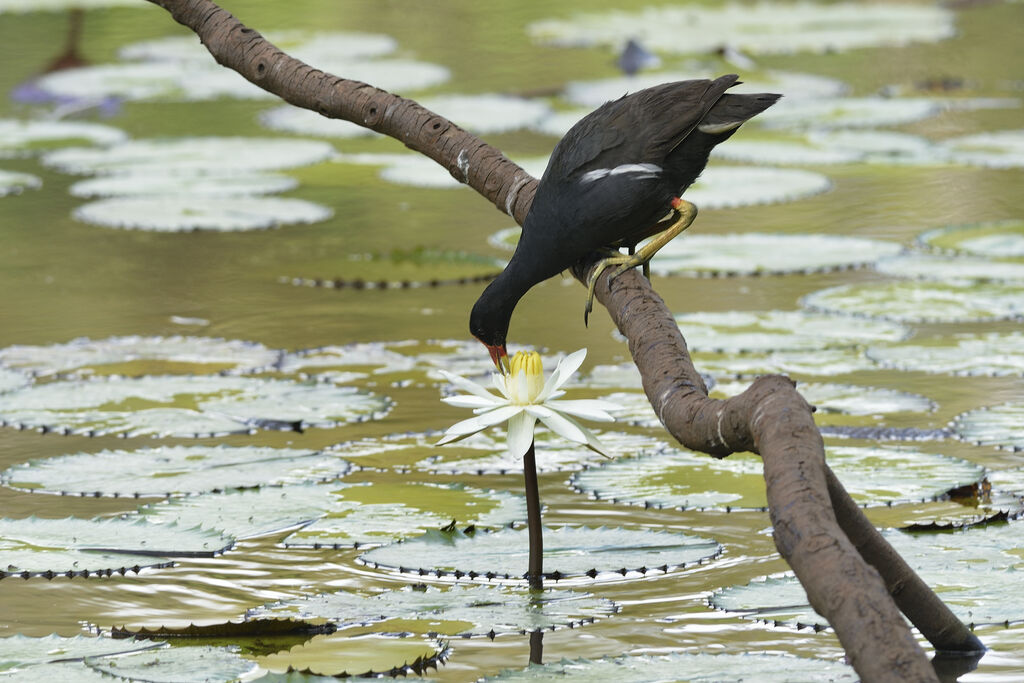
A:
(466, 385)
(589, 409)
(564, 426)
(563, 371)
(464, 401)
(520, 434)
(591, 440)
(488, 419)
(499, 382)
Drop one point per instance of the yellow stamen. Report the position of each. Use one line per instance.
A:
(526, 378)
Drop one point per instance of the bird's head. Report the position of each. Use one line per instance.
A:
(490, 328)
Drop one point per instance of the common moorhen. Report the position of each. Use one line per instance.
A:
(614, 180)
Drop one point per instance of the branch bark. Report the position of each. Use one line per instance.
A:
(769, 418)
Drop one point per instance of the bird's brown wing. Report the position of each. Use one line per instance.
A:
(673, 110)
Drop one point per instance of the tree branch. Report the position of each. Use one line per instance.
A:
(769, 418)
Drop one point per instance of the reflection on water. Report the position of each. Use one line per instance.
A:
(62, 279)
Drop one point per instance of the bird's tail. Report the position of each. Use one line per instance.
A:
(731, 110)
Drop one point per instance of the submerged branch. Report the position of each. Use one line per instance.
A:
(769, 418)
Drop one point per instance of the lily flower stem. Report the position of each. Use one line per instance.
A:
(535, 574)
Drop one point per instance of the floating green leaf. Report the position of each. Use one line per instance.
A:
(13, 183)
(80, 547)
(20, 6)
(976, 572)
(726, 187)
(161, 184)
(849, 399)
(1001, 426)
(177, 665)
(12, 379)
(822, 363)
(173, 213)
(298, 121)
(184, 406)
(22, 138)
(568, 552)
(420, 171)
(680, 479)
(758, 331)
(696, 668)
(333, 45)
(456, 611)
(488, 113)
(173, 470)
(766, 254)
(913, 301)
(376, 355)
(853, 112)
(1002, 239)
(371, 655)
(998, 149)
(936, 267)
(387, 511)
(992, 354)
(87, 355)
(18, 652)
(795, 27)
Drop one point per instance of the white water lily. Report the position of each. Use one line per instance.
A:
(525, 398)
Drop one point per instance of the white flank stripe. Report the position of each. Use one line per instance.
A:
(642, 171)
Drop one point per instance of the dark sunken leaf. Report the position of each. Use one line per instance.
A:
(370, 655)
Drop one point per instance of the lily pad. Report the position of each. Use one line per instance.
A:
(371, 656)
(683, 480)
(366, 355)
(173, 471)
(23, 138)
(568, 552)
(186, 214)
(726, 187)
(459, 610)
(372, 515)
(697, 668)
(822, 363)
(485, 453)
(86, 355)
(191, 154)
(298, 121)
(12, 379)
(160, 184)
(998, 149)
(488, 113)
(19, 652)
(184, 406)
(759, 331)
(420, 171)
(81, 547)
(849, 399)
(177, 665)
(795, 27)
(12, 182)
(1010, 481)
(767, 254)
(333, 44)
(976, 572)
(991, 354)
(914, 301)
(1001, 426)
(849, 112)
(21, 6)
(936, 267)
(785, 153)
(1002, 239)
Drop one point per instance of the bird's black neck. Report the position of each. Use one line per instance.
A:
(491, 314)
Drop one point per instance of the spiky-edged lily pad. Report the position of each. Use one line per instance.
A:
(158, 183)
(18, 652)
(976, 572)
(786, 153)
(12, 379)
(73, 547)
(795, 27)
(1009, 481)
(746, 331)
(568, 552)
(1002, 239)
(852, 112)
(173, 470)
(420, 171)
(12, 6)
(591, 94)
(936, 267)
(697, 668)
(332, 44)
(914, 301)
(1001, 426)
(726, 187)
(22, 138)
(186, 214)
(374, 355)
(456, 611)
(488, 113)
(767, 254)
(991, 354)
(12, 182)
(291, 119)
(387, 511)
(680, 479)
(371, 655)
(485, 453)
(177, 665)
(184, 406)
(821, 363)
(87, 355)
(997, 149)
(849, 399)
(191, 155)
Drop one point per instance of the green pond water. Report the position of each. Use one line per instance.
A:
(63, 279)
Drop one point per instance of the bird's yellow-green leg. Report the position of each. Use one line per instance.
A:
(685, 213)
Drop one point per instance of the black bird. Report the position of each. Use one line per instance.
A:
(614, 180)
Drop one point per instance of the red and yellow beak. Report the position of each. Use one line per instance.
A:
(499, 354)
